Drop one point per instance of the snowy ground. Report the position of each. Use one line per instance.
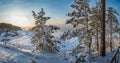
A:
(67, 44)
(19, 50)
(11, 55)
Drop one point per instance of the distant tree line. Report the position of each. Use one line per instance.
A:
(7, 26)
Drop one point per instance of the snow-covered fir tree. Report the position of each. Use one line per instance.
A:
(43, 40)
(83, 27)
(113, 22)
(81, 16)
(96, 24)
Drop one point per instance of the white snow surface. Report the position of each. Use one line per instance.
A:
(68, 44)
(11, 55)
(19, 50)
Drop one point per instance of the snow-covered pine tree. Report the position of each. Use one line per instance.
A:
(43, 40)
(81, 21)
(80, 16)
(113, 22)
(96, 23)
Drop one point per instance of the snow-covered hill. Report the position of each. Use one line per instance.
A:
(11, 55)
(19, 50)
(22, 40)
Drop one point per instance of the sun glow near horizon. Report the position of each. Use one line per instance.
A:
(19, 18)
(25, 19)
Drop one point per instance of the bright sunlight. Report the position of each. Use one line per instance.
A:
(19, 18)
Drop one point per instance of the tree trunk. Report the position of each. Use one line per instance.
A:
(102, 44)
(90, 44)
(97, 37)
(111, 36)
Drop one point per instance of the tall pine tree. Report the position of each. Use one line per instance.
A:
(113, 22)
(43, 40)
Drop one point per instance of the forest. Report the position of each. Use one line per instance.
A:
(94, 38)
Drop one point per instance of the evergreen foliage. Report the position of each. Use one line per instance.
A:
(43, 40)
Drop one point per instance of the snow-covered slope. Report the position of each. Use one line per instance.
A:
(69, 44)
(22, 40)
(11, 55)
(19, 50)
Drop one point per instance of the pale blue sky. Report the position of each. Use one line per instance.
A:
(56, 9)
